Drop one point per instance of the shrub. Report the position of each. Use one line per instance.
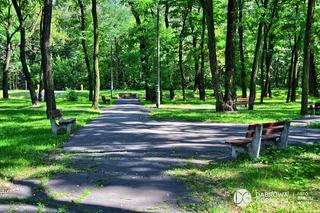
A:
(72, 95)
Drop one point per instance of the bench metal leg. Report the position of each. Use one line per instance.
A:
(255, 146)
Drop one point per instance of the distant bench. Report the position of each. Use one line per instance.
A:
(258, 136)
(314, 107)
(128, 96)
(244, 101)
(105, 100)
(58, 123)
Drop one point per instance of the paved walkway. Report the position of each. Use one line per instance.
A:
(123, 155)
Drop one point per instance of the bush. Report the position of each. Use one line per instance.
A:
(72, 95)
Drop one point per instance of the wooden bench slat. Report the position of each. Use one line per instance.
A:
(269, 131)
(267, 125)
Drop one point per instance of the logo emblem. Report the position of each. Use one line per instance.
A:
(242, 197)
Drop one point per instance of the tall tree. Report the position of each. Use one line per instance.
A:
(181, 39)
(268, 52)
(295, 68)
(306, 58)
(23, 57)
(7, 19)
(143, 51)
(84, 47)
(95, 102)
(46, 56)
(167, 24)
(208, 7)
(255, 64)
(241, 50)
(202, 91)
(230, 57)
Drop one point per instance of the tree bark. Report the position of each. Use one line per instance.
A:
(306, 58)
(46, 57)
(84, 47)
(241, 51)
(313, 82)
(95, 102)
(23, 57)
(230, 58)
(255, 65)
(208, 7)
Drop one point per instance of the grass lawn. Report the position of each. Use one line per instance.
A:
(25, 135)
(274, 109)
(314, 125)
(291, 177)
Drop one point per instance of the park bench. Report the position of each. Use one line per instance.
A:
(105, 100)
(58, 123)
(259, 136)
(244, 101)
(128, 96)
(314, 107)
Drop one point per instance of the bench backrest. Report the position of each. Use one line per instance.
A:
(242, 100)
(128, 96)
(267, 129)
(56, 114)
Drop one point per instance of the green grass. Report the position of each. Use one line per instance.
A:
(294, 172)
(314, 125)
(26, 139)
(273, 109)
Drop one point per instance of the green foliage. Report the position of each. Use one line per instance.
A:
(71, 95)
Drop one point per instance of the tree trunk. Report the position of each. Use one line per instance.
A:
(290, 76)
(255, 65)
(208, 7)
(167, 23)
(5, 77)
(241, 51)
(202, 91)
(46, 57)
(262, 65)
(95, 102)
(84, 47)
(267, 86)
(23, 58)
(230, 57)
(181, 38)
(313, 82)
(295, 71)
(195, 57)
(306, 58)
